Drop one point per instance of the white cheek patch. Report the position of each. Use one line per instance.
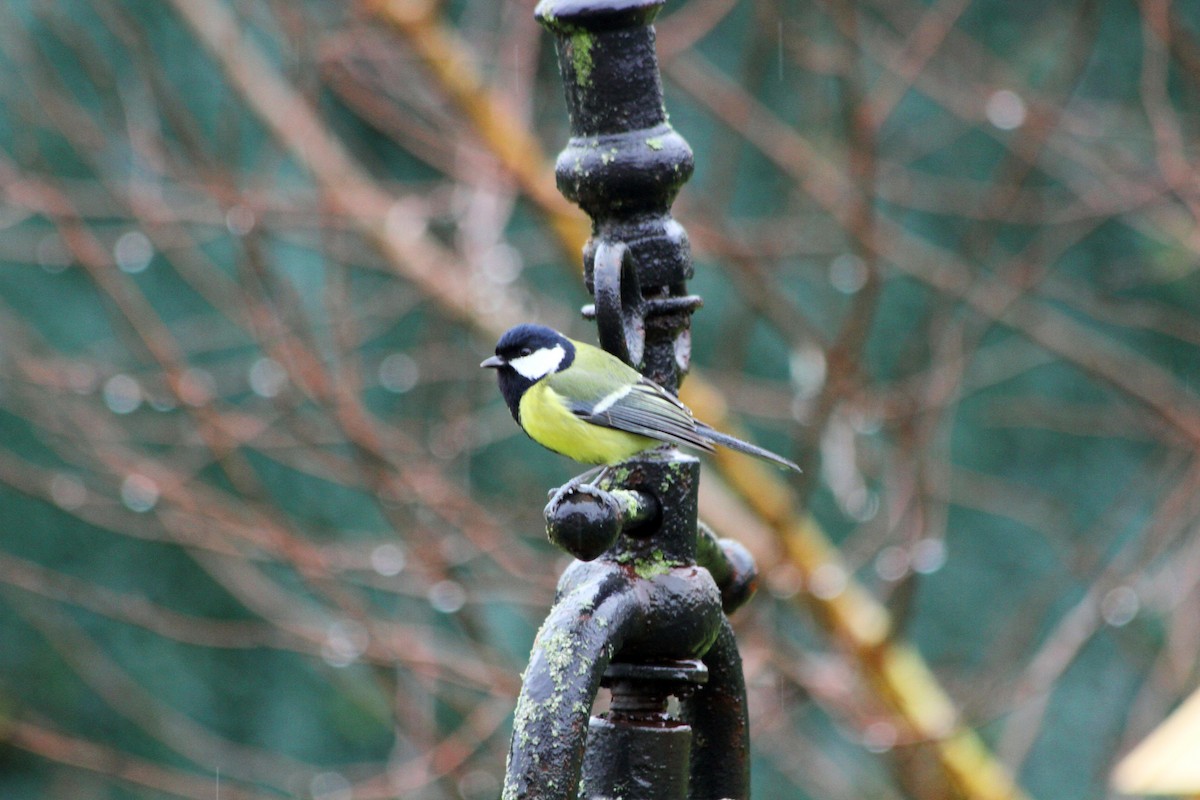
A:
(539, 363)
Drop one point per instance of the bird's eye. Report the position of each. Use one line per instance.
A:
(525, 351)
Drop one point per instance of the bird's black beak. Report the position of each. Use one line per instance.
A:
(493, 362)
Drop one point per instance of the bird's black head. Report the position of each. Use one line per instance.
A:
(526, 354)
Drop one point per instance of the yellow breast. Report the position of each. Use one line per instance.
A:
(548, 421)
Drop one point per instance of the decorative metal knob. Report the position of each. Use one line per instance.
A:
(586, 521)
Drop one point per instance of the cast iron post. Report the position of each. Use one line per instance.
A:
(643, 610)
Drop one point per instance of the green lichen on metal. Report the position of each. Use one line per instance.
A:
(617, 476)
(679, 471)
(581, 57)
(657, 564)
(677, 467)
(558, 649)
(626, 500)
(524, 715)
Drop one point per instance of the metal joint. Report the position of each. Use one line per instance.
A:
(622, 312)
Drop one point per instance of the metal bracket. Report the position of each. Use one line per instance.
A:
(621, 311)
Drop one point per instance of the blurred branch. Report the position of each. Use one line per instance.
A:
(509, 139)
(390, 225)
(129, 698)
(98, 758)
(858, 623)
(940, 268)
(333, 506)
(843, 376)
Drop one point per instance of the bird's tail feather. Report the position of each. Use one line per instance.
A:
(733, 443)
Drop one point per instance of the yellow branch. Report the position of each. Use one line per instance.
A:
(509, 139)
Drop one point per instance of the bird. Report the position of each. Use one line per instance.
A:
(585, 403)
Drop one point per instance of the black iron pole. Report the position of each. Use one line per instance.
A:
(624, 165)
(643, 610)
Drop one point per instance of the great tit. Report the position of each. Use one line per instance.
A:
(587, 404)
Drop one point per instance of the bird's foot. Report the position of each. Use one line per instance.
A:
(579, 481)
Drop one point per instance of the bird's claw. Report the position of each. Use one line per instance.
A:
(586, 480)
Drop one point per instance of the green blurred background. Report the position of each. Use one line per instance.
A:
(265, 531)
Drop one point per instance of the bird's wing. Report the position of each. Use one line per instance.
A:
(647, 409)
